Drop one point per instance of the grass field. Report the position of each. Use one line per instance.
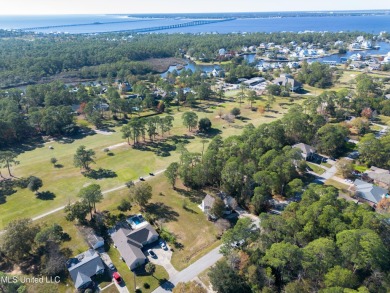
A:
(127, 163)
(316, 169)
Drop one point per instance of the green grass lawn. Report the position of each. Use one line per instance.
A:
(316, 169)
(140, 279)
(360, 168)
(340, 186)
(326, 165)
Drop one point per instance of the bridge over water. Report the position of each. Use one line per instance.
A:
(137, 30)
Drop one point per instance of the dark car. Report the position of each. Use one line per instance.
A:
(151, 174)
(117, 277)
(151, 253)
(141, 179)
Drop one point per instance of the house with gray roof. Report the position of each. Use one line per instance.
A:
(380, 176)
(288, 80)
(83, 266)
(307, 150)
(208, 202)
(369, 192)
(130, 242)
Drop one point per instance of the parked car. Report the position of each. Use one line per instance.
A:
(141, 179)
(111, 267)
(163, 245)
(151, 253)
(117, 278)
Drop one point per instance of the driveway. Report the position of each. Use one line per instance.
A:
(192, 271)
(107, 260)
(163, 259)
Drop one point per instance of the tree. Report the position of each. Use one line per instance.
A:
(129, 184)
(340, 277)
(331, 139)
(384, 205)
(235, 111)
(8, 159)
(91, 194)
(127, 132)
(190, 120)
(252, 96)
(150, 268)
(240, 233)
(270, 100)
(53, 161)
(204, 125)
(83, 158)
(124, 206)
(362, 125)
(225, 280)
(18, 239)
(293, 187)
(367, 113)
(363, 248)
(11, 286)
(273, 89)
(218, 208)
(34, 184)
(319, 256)
(53, 233)
(345, 167)
(203, 141)
(285, 258)
(171, 173)
(141, 194)
(79, 210)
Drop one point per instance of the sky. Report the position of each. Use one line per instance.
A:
(42, 7)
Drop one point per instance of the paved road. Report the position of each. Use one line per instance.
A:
(192, 271)
(104, 192)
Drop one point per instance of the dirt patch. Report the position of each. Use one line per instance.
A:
(162, 64)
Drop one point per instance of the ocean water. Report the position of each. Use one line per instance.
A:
(260, 22)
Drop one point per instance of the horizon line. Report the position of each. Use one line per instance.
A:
(211, 12)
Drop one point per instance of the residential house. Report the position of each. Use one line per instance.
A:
(130, 243)
(82, 267)
(208, 202)
(379, 176)
(94, 240)
(368, 192)
(287, 79)
(307, 151)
